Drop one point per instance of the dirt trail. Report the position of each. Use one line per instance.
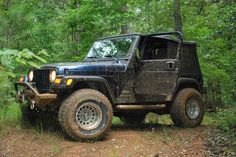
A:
(122, 141)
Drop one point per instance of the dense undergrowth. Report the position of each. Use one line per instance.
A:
(10, 117)
(224, 118)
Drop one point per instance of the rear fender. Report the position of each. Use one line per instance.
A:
(188, 83)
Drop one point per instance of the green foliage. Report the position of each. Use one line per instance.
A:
(211, 25)
(116, 121)
(66, 30)
(12, 61)
(226, 119)
(10, 117)
(10, 113)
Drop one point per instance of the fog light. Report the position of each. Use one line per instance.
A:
(57, 81)
(69, 82)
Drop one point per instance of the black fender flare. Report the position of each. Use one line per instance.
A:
(77, 79)
(181, 82)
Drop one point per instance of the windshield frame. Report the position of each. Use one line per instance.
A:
(129, 53)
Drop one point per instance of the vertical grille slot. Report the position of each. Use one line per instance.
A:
(41, 79)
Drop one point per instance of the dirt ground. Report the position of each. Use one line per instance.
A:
(149, 140)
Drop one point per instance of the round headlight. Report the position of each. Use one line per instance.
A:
(52, 76)
(31, 75)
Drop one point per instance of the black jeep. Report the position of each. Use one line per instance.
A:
(127, 76)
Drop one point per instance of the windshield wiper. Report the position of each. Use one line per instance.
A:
(111, 56)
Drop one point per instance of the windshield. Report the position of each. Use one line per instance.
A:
(115, 48)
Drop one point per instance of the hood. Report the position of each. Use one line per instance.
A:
(87, 68)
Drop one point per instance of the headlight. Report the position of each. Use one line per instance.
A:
(31, 75)
(52, 76)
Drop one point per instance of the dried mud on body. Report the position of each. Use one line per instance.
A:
(147, 140)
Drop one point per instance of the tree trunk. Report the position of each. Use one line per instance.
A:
(124, 29)
(75, 31)
(177, 16)
(124, 26)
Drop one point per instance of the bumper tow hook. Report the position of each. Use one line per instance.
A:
(32, 104)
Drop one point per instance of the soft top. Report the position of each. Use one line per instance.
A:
(161, 35)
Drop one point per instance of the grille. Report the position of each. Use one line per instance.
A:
(41, 79)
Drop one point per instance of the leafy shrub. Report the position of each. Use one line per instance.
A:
(11, 61)
(10, 117)
(226, 119)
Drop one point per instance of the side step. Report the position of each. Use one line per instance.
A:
(140, 107)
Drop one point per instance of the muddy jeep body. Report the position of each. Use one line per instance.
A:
(153, 72)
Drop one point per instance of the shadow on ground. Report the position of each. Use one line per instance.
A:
(50, 124)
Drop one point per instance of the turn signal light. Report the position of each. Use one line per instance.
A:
(57, 81)
(22, 79)
(69, 82)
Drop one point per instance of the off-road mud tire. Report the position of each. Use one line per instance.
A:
(178, 108)
(67, 114)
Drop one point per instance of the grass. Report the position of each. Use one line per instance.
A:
(116, 121)
(113, 153)
(10, 117)
(224, 118)
(153, 118)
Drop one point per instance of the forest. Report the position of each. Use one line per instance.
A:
(35, 32)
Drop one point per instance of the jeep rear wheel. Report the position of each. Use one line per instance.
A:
(85, 115)
(187, 109)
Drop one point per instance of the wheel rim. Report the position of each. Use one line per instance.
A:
(88, 116)
(192, 108)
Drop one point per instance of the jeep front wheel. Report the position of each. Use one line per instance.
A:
(85, 115)
(187, 109)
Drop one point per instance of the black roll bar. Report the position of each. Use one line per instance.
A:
(177, 33)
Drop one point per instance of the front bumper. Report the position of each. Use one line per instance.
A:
(40, 100)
